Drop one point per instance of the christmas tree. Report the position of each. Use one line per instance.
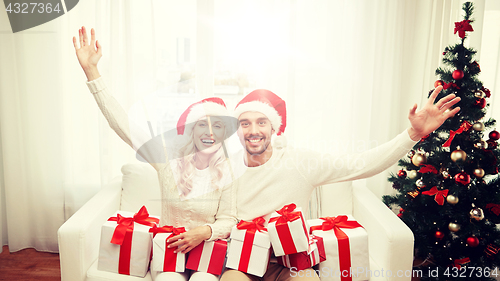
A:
(448, 189)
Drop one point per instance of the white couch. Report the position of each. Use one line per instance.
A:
(390, 240)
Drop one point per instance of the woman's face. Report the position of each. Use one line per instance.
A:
(208, 134)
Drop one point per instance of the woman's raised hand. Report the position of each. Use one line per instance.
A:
(88, 53)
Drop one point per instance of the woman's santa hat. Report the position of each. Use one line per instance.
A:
(210, 106)
(267, 103)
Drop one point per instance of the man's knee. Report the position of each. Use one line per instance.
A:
(231, 274)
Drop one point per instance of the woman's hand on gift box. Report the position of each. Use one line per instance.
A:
(186, 241)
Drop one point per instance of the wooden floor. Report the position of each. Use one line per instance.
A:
(28, 264)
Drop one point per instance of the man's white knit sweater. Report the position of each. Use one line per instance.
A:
(290, 175)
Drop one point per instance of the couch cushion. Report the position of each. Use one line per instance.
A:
(140, 187)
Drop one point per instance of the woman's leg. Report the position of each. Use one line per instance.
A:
(169, 276)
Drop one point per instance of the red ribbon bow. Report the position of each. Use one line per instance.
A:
(461, 27)
(335, 223)
(256, 224)
(459, 262)
(428, 168)
(287, 214)
(127, 224)
(439, 194)
(464, 127)
(167, 229)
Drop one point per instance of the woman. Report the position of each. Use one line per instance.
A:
(202, 201)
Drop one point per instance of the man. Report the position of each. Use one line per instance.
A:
(277, 175)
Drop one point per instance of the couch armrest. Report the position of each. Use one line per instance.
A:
(390, 241)
(79, 236)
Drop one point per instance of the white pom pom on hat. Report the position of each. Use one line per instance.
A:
(267, 103)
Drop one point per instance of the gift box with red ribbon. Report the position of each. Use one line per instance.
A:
(164, 258)
(346, 247)
(250, 248)
(125, 246)
(208, 257)
(288, 231)
(303, 260)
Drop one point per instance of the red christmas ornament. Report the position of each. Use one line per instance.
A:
(402, 173)
(439, 235)
(401, 210)
(438, 83)
(494, 135)
(480, 103)
(462, 178)
(457, 74)
(472, 241)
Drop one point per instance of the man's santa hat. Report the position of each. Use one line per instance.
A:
(210, 106)
(267, 103)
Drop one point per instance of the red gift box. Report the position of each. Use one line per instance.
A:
(208, 257)
(129, 249)
(250, 248)
(346, 247)
(288, 231)
(164, 258)
(307, 259)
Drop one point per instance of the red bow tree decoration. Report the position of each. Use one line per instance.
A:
(428, 168)
(464, 127)
(461, 27)
(440, 195)
(451, 84)
(459, 262)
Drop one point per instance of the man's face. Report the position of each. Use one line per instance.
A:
(255, 132)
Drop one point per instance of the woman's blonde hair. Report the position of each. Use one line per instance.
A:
(186, 160)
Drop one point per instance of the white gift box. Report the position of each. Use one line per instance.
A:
(288, 237)
(177, 262)
(247, 254)
(208, 257)
(113, 258)
(356, 256)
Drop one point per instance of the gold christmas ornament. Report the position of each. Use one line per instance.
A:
(452, 199)
(481, 144)
(479, 172)
(478, 126)
(458, 155)
(477, 214)
(412, 174)
(418, 159)
(479, 94)
(453, 227)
